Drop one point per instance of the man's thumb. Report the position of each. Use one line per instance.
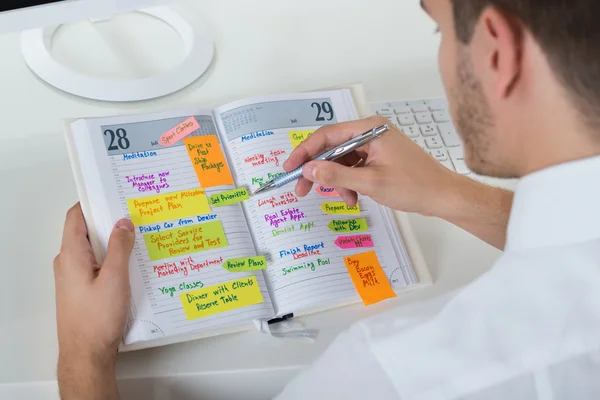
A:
(336, 175)
(120, 246)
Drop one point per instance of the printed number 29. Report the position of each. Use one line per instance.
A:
(121, 139)
(324, 107)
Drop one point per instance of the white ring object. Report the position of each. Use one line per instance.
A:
(198, 54)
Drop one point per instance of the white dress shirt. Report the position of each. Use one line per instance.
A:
(527, 329)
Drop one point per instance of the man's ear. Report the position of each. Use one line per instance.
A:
(496, 50)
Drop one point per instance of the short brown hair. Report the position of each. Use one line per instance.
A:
(568, 31)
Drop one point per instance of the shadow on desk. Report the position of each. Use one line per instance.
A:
(248, 385)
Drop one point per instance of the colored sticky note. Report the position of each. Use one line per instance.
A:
(208, 160)
(167, 206)
(221, 298)
(326, 191)
(339, 207)
(188, 240)
(182, 130)
(349, 225)
(297, 137)
(245, 264)
(229, 197)
(369, 278)
(352, 242)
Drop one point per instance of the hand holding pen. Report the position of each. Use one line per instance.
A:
(392, 170)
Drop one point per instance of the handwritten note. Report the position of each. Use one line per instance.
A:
(279, 200)
(297, 137)
(339, 207)
(349, 225)
(167, 206)
(277, 218)
(258, 159)
(352, 242)
(369, 278)
(184, 267)
(230, 197)
(245, 264)
(149, 183)
(221, 298)
(326, 191)
(208, 160)
(182, 130)
(182, 241)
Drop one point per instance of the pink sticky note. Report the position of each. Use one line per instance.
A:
(353, 242)
(182, 130)
(326, 191)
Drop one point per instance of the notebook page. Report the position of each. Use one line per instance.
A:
(306, 269)
(146, 168)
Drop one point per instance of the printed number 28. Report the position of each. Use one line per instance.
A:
(324, 107)
(121, 139)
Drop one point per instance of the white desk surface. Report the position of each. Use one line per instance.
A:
(262, 47)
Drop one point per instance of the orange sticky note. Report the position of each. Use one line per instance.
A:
(368, 278)
(209, 161)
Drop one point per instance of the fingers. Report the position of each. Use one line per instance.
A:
(330, 136)
(327, 173)
(76, 252)
(120, 246)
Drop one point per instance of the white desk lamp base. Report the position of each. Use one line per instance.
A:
(198, 54)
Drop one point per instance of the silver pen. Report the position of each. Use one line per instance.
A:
(331, 155)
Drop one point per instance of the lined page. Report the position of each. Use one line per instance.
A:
(145, 169)
(306, 268)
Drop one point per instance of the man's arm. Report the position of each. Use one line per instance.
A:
(399, 174)
(92, 302)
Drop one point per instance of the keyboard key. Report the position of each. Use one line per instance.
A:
(429, 130)
(449, 135)
(448, 164)
(396, 104)
(423, 118)
(402, 110)
(434, 142)
(415, 103)
(437, 105)
(457, 153)
(461, 167)
(439, 154)
(406, 120)
(385, 112)
(421, 142)
(411, 131)
(441, 116)
(457, 156)
(420, 108)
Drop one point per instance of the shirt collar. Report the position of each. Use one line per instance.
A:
(559, 205)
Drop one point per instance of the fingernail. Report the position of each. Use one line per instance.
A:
(310, 171)
(125, 225)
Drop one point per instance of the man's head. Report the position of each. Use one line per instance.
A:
(516, 69)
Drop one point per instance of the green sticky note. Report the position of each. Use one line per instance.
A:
(229, 197)
(349, 225)
(188, 240)
(339, 207)
(245, 264)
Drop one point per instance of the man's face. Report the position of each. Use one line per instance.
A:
(469, 107)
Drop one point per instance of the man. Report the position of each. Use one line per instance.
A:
(523, 81)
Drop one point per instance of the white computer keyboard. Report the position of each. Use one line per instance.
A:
(427, 123)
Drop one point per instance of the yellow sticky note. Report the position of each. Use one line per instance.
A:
(221, 298)
(168, 206)
(229, 197)
(369, 278)
(339, 207)
(188, 240)
(208, 160)
(297, 137)
(245, 264)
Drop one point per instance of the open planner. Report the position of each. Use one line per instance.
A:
(210, 258)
